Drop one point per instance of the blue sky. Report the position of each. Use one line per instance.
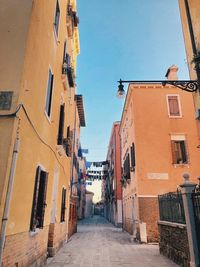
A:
(129, 39)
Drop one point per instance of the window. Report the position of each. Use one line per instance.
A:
(66, 57)
(63, 206)
(39, 199)
(49, 93)
(126, 168)
(174, 106)
(133, 155)
(61, 125)
(57, 17)
(69, 142)
(179, 151)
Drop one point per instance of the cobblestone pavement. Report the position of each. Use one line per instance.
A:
(99, 244)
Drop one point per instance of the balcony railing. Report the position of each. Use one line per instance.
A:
(72, 20)
(68, 70)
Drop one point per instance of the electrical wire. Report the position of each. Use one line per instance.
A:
(32, 125)
(12, 114)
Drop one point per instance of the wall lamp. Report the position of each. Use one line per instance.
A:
(185, 85)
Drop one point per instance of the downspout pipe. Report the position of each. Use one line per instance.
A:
(8, 198)
(192, 37)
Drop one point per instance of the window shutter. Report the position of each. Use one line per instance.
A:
(128, 167)
(64, 53)
(133, 155)
(183, 151)
(63, 207)
(173, 106)
(174, 158)
(57, 17)
(33, 222)
(42, 198)
(49, 93)
(61, 124)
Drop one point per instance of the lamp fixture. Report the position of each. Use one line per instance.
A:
(185, 85)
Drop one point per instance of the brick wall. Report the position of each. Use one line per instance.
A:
(174, 242)
(149, 213)
(57, 236)
(72, 226)
(24, 250)
(128, 225)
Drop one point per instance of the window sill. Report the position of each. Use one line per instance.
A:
(181, 165)
(33, 233)
(47, 117)
(175, 117)
(61, 151)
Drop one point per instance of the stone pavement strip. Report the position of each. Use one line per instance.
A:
(99, 244)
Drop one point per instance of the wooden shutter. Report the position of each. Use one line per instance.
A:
(49, 93)
(41, 205)
(61, 124)
(57, 17)
(63, 206)
(173, 106)
(64, 53)
(174, 159)
(183, 151)
(133, 155)
(33, 222)
(128, 167)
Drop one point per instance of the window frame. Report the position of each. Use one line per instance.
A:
(61, 125)
(57, 19)
(63, 205)
(49, 101)
(179, 139)
(40, 183)
(179, 106)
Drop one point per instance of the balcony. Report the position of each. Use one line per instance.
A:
(75, 19)
(68, 71)
(67, 144)
(69, 14)
(72, 20)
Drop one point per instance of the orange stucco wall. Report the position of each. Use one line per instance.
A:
(146, 122)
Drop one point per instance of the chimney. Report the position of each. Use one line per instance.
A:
(171, 74)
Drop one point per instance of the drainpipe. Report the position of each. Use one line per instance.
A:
(192, 37)
(8, 198)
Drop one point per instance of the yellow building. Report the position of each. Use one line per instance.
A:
(38, 49)
(189, 10)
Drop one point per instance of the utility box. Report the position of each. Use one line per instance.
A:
(143, 232)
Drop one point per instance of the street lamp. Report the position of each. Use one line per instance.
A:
(185, 85)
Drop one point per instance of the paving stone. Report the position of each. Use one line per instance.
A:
(99, 244)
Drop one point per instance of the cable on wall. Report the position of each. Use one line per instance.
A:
(36, 132)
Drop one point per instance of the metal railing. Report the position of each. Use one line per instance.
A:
(171, 207)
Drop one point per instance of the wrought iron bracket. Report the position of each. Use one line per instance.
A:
(185, 85)
(188, 86)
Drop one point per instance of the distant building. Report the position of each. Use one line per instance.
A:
(95, 174)
(81, 185)
(112, 187)
(89, 208)
(158, 144)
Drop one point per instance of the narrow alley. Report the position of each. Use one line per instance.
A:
(98, 243)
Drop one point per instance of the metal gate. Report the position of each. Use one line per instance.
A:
(196, 205)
